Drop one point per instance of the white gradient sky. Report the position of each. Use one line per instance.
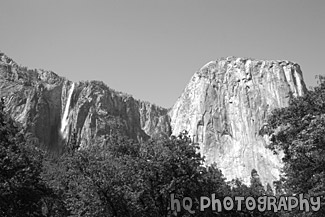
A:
(151, 48)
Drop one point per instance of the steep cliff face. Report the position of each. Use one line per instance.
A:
(224, 107)
(54, 108)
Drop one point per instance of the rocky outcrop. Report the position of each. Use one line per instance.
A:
(54, 108)
(224, 107)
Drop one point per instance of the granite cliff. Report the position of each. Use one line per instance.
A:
(224, 108)
(54, 108)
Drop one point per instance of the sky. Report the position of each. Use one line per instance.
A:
(151, 48)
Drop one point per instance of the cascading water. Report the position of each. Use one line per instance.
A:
(64, 121)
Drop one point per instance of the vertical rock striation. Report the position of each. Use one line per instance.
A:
(53, 108)
(224, 107)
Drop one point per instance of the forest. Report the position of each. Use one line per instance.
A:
(129, 178)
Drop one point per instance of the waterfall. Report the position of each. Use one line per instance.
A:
(64, 121)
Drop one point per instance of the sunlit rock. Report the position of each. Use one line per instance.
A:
(225, 106)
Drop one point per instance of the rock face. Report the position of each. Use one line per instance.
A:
(225, 106)
(54, 108)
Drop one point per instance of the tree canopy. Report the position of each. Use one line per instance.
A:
(299, 131)
(21, 188)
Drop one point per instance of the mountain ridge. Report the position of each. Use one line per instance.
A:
(223, 107)
(28, 92)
